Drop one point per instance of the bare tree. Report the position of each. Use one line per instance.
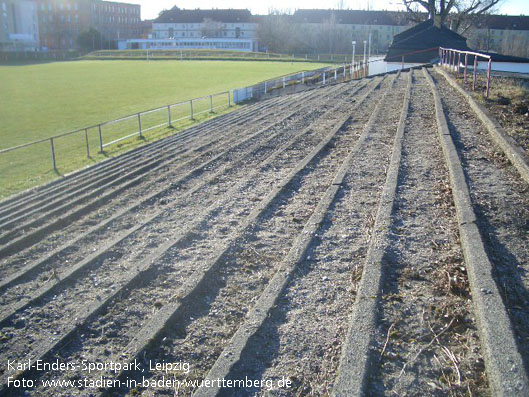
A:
(460, 12)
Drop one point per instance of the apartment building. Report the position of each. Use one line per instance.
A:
(225, 29)
(348, 25)
(61, 21)
(116, 20)
(229, 23)
(501, 33)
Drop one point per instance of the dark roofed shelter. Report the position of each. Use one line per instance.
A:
(420, 43)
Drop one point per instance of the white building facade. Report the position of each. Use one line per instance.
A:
(212, 29)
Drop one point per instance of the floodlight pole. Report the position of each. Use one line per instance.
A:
(353, 60)
(364, 71)
(365, 48)
(369, 49)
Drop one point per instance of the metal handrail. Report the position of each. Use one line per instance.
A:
(447, 57)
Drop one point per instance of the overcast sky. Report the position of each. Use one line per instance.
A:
(151, 8)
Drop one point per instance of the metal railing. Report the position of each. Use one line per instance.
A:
(307, 77)
(451, 58)
(136, 124)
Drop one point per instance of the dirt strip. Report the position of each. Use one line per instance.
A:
(427, 342)
(503, 363)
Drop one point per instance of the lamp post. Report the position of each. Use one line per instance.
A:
(363, 73)
(365, 51)
(369, 50)
(353, 60)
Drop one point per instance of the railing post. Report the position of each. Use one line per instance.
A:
(489, 67)
(53, 154)
(323, 77)
(139, 124)
(335, 74)
(475, 72)
(265, 87)
(465, 72)
(191, 107)
(169, 114)
(284, 83)
(87, 144)
(229, 99)
(458, 62)
(440, 56)
(100, 139)
(302, 76)
(211, 103)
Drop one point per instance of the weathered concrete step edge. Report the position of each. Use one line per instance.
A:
(35, 266)
(356, 358)
(153, 329)
(53, 285)
(503, 362)
(232, 354)
(510, 147)
(89, 312)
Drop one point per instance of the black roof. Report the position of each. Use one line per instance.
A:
(420, 43)
(177, 15)
(353, 17)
